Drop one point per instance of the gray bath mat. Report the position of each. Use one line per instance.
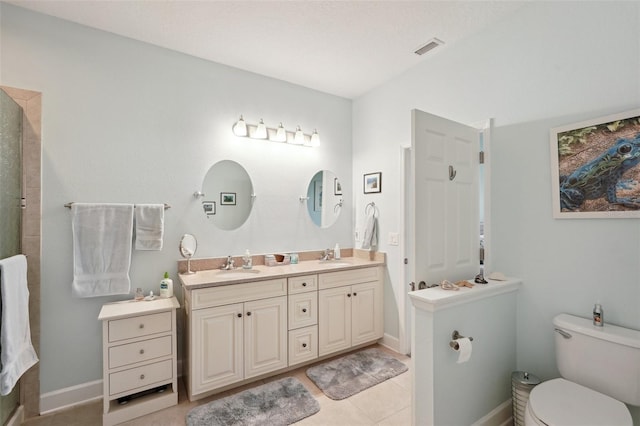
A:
(346, 376)
(282, 402)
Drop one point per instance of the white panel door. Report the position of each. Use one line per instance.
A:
(366, 312)
(446, 199)
(334, 320)
(265, 336)
(216, 354)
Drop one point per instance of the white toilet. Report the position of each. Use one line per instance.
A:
(600, 367)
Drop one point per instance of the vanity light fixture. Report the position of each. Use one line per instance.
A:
(261, 131)
(279, 134)
(298, 137)
(315, 139)
(240, 128)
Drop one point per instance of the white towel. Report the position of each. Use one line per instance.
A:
(18, 354)
(370, 239)
(149, 226)
(102, 240)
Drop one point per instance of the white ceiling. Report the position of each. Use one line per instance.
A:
(345, 48)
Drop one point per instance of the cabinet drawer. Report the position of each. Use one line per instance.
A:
(348, 277)
(139, 351)
(134, 378)
(238, 293)
(303, 345)
(303, 310)
(303, 284)
(143, 325)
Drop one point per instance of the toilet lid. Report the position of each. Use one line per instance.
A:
(561, 402)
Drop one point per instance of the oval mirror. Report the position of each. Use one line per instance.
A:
(324, 198)
(228, 195)
(188, 246)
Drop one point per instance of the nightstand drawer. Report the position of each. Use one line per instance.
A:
(143, 325)
(303, 284)
(139, 351)
(135, 378)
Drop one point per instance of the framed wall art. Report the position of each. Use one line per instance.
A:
(372, 183)
(595, 167)
(227, 198)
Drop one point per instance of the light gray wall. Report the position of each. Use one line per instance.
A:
(551, 63)
(124, 121)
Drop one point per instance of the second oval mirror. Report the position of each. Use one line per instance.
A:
(228, 195)
(324, 198)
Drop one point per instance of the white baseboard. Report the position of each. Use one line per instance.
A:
(76, 395)
(68, 397)
(499, 416)
(17, 418)
(391, 342)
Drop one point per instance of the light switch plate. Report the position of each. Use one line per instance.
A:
(394, 239)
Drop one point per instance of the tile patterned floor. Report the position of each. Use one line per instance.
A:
(386, 404)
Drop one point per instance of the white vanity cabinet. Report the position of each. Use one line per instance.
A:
(238, 330)
(139, 355)
(235, 332)
(349, 309)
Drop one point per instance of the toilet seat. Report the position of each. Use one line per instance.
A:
(559, 402)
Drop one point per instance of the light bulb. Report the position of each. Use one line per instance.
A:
(315, 139)
(298, 138)
(240, 128)
(261, 131)
(281, 134)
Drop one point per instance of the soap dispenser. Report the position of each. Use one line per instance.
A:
(336, 252)
(166, 286)
(598, 315)
(247, 261)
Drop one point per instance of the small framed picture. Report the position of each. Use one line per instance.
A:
(373, 182)
(227, 198)
(209, 207)
(337, 188)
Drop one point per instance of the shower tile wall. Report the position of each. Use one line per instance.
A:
(31, 103)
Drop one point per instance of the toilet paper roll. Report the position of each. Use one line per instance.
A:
(464, 349)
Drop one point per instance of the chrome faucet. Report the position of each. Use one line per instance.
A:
(229, 265)
(327, 255)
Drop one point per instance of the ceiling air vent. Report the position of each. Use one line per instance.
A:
(431, 44)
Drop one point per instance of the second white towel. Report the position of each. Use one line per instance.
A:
(149, 226)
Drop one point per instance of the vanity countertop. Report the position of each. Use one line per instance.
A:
(219, 277)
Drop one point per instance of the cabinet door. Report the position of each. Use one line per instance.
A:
(265, 336)
(334, 320)
(366, 317)
(216, 349)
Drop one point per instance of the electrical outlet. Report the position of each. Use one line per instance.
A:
(394, 239)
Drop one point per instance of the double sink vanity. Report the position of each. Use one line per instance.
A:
(246, 324)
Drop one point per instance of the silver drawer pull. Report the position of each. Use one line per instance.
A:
(141, 325)
(304, 345)
(141, 351)
(304, 284)
(142, 377)
(563, 333)
(304, 309)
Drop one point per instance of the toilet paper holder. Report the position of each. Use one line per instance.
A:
(454, 337)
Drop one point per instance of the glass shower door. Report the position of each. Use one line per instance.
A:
(10, 204)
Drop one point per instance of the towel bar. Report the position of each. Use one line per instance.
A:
(68, 205)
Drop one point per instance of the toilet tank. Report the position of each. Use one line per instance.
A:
(605, 359)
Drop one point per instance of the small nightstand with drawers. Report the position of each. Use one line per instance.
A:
(139, 358)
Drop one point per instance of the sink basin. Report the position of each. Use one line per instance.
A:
(238, 273)
(336, 263)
